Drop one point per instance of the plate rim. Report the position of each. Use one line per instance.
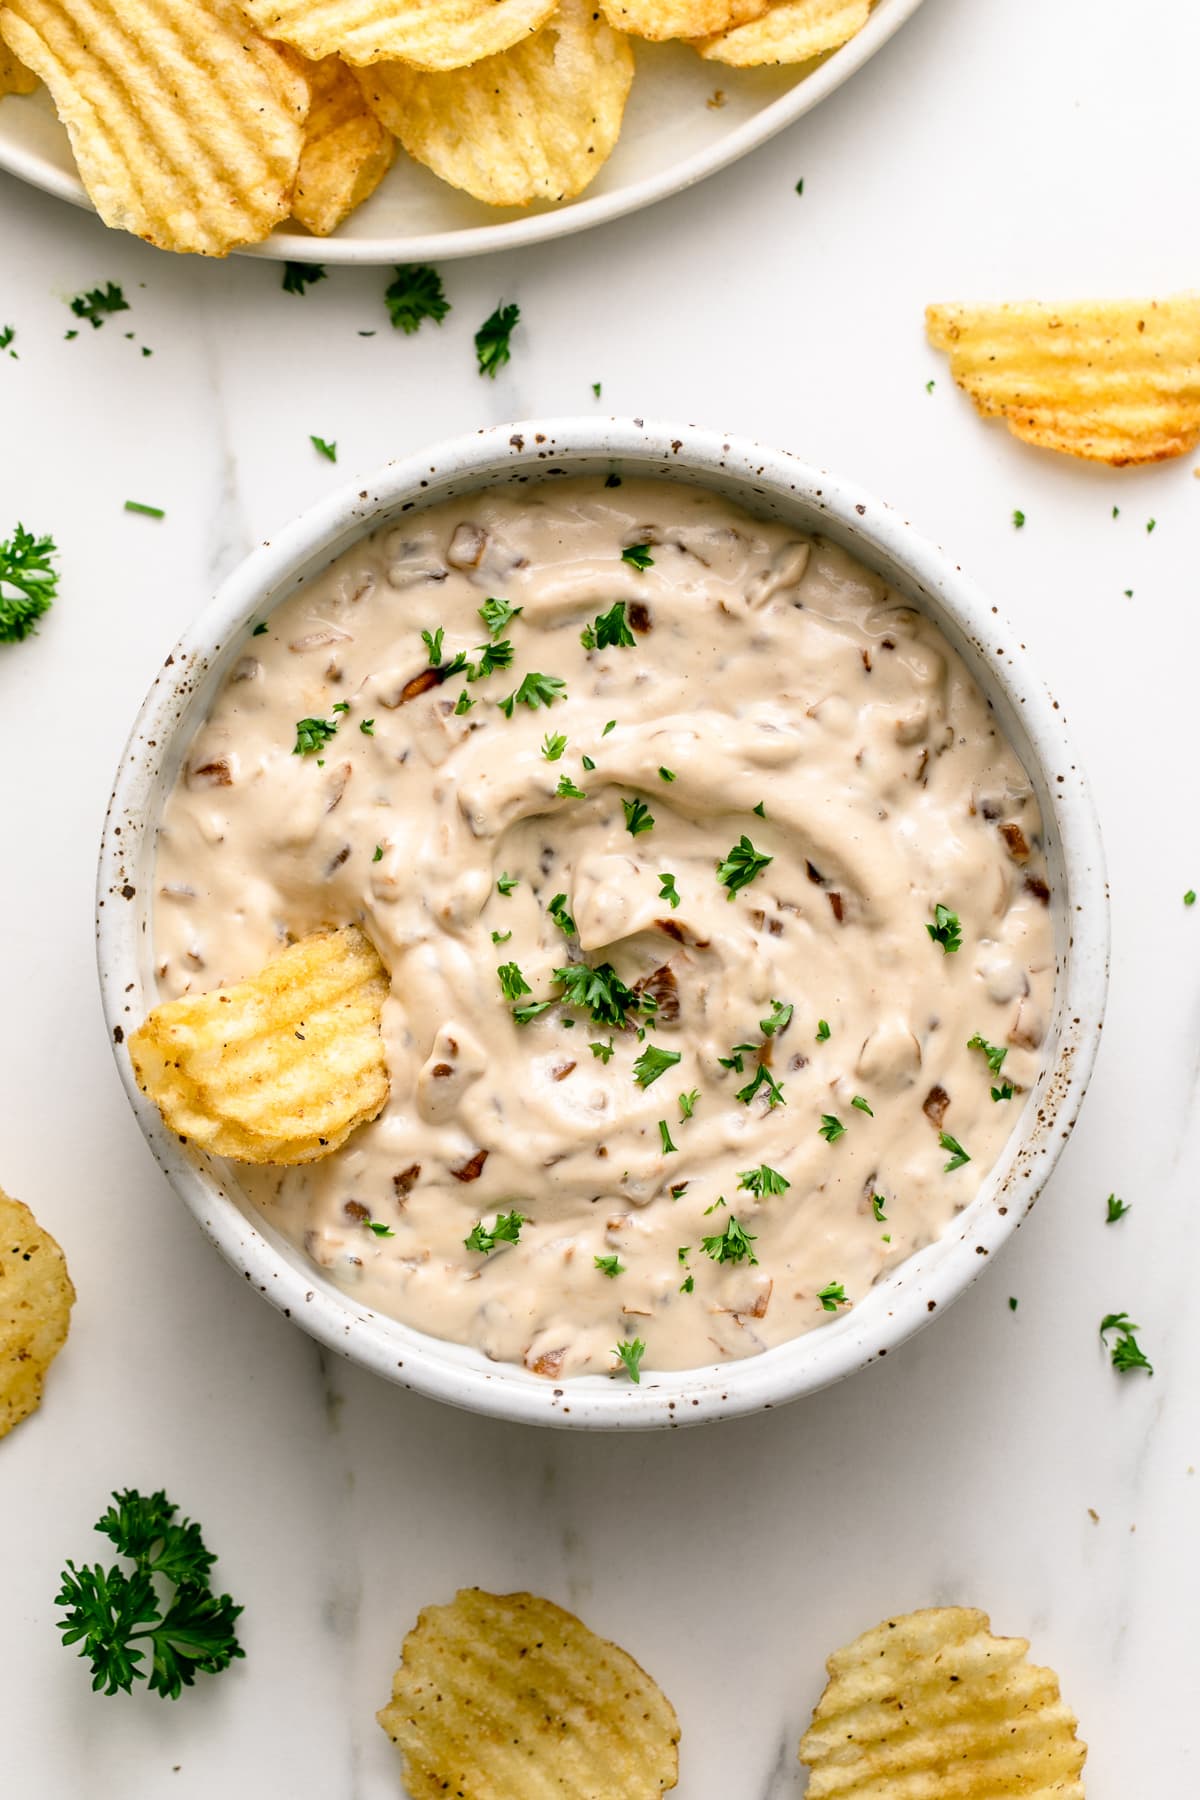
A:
(580, 215)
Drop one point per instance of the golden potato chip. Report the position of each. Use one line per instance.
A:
(36, 1297)
(186, 125)
(346, 151)
(792, 31)
(680, 18)
(1115, 381)
(277, 1069)
(536, 123)
(15, 78)
(931, 1706)
(508, 1697)
(430, 34)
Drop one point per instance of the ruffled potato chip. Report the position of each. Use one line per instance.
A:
(346, 151)
(15, 78)
(658, 19)
(536, 123)
(792, 31)
(931, 1706)
(1113, 381)
(277, 1069)
(501, 1696)
(36, 1297)
(429, 34)
(187, 126)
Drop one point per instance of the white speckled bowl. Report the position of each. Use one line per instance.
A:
(773, 484)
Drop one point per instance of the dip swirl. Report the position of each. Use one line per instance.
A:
(713, 897)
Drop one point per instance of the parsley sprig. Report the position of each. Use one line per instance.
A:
(493, 339)
(731, 1245)
(506, 1230)
(99, 303)
(26, 566)
(739, 868)
(415, 295)
(946, 929)
(608, 630)
(1125, 1351)
(111, 1615)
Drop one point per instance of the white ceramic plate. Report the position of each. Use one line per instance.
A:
(672, 137)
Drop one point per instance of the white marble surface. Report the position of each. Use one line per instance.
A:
(1001, 149)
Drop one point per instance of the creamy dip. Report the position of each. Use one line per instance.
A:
(751, 780)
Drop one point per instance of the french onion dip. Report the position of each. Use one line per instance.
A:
(714, 902)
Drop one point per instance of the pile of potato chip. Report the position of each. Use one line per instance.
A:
(202, 127)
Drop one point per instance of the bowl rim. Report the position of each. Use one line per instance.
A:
(918, 1289)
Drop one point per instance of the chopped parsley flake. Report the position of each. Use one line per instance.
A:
(260, 629)
(638, 557)
(779, 1020)
(1116, 1210)
(26, 565)
(367, 727)
(535, 690)
(378, 1229)
(830, 1128)
(609, 630)
(557, 910)
(501, 937)
(492, 340)
(612, 1266)
(298, 277)
(1013, 1303)
(995, 1053)
(553, 745)
(611, 726)
(507, 883)
(762, 1078)
(688, 1284)
(599, 991)
(652, 1063)
(99, 304)
(530, 1009)
(1018, 519)
(631, 1357)
(741, 865)
(1150, 524)
(6, 337)
(587, 762)
(664, 1132)
(946, 929)
(464, 703)
(139, 506)
(512, 982)
(378, 856)
(603, 1051)
(823, 1032)
(638, 817)
(666, 774)
(415, 295)
(312, 734)
(667, 889)
(433, 643)
(327, 450)
(1005, 1091)
(687, 1103)
(877, 1205)
(731, 1245)
(506, 1230)
(929, 386)
(1125, 1351)
(763, 1181)
(596, 389)
(568, 789)
(832, 1296)
(958, 1155)
(496, 614)
(1189, 899)
(341, 706)
(862, 1105)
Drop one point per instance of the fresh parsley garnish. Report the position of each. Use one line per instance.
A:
(860, 1101)
(1005, 1091)
(25, 564)
(832, 1296)
(995, 1053)
(329, 451)
(946, 929)
(652, 1063)
(631, 1356)
(1189, 899)
(763, 1181)
(99, 304)
(6, 337)
(491, 656)
(608, 630)
(496, 614)
(1018, 519)
(501, 937)
(463, 704)
(260, 630)
(958, 1155)
(557, 910)
(587, 762)
(512, 982)
(762, 1078)
(553, 745)
(611, 1266)
(531, 1009)
(415, 295)
(432, 641)
(568, 789)
(688, 1284)
(367, 727)
(535, 690)
(638, 817)
(687, 1103)
(779, 1020)
(139, 506)
(380, 1231)
(666, 774)
(298, 277)
(598, 991)
(603, 1051)
(664, 1132)
(507, 883)
(741, 865)
(378, 857)
(667, 889)
(877, 1205)
(110, 1614)
(823, 1032)
(611, 726)
(1125, 1351)
(492, 340)
(1116, 1210)
(506, 1230)
(313, 734)
(638, 557)
(830, 1128)
(731, 1245)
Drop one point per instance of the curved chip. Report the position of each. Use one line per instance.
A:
(931, 1705)
(534, 124)
(36, 1297)
(792, 31)
(277, 1069)
(346, 151)
(500, 1695)
(186, 125)
(1113, 381)
(430, 34)
(15, 78)
(657, 19)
